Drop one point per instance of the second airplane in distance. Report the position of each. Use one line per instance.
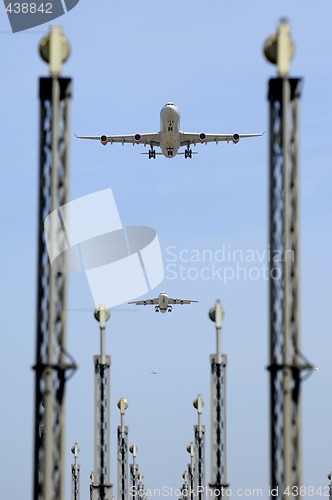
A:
(169, 139)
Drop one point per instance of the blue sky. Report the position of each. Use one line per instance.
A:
(127, 60)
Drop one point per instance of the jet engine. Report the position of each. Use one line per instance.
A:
(236, 138)
(138, 138)
(103, 140)
(202, 137)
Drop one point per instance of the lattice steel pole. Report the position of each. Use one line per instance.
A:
(133, 494)
(191, 472)
(199, 450)
(184, 487)
(141, 487)
(218, 410)
(101, 488)
(52, 360)
(286, 360)
(75, 474)
(329, 477)
(122, 453)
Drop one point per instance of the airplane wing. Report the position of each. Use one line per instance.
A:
(152, 138)
(146, 302)
(188, 138)
(180, 301)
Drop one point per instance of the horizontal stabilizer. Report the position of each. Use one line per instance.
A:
(148, 153)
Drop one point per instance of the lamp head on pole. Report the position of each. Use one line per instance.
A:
(199, 404)
(102, 314)
(54, 49)
(122, 405)
(279, 48)
(217, 314)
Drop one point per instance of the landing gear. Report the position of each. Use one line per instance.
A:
(188, 152)
(152, 154)
(170, 152)
(170, 125)
(156, 309)
(169, 309)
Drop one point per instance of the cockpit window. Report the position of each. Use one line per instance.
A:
(170, 104)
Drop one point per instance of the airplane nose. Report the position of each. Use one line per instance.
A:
(165, 109)
(169, 111)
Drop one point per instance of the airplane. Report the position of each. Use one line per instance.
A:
(163, 303)
(169, 139)
(154, 372)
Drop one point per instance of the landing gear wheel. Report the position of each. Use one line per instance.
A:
(169, 310)
(188, 153)
(152, 154)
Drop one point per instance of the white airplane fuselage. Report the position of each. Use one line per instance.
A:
(169, 130)
(163, 302)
